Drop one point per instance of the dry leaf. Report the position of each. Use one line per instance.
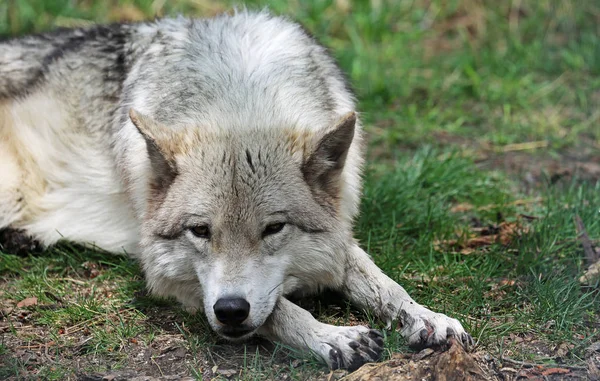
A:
(92, 270)
(227, 373)
(27, 302)
(127, 13)
(466, 207)
(591, 275)
(550, 371)
(506, 282)
(462, 207)
(503, 234)
(456, 364)
(593, 370)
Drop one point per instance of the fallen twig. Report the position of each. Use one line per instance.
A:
(96, 319)
(524, 146)
(528, 201)
(37, 346)
(158, 366)
(591, 256)
(466, 207)
(469, 317)
(534, 365)
(76, 281)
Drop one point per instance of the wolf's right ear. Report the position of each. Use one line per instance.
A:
(160, 143)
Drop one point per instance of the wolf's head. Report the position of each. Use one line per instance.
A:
(237, 218)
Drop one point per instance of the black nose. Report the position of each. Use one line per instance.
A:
(231, 311)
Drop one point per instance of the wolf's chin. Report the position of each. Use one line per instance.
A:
(237, 335)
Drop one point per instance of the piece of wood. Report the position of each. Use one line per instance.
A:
(591, 256)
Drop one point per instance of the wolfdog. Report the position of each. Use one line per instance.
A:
(224, 154)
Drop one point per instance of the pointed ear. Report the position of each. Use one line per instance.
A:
(160, 142)
(323, 167)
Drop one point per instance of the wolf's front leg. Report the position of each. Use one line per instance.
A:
(340, 347)
(368, 287)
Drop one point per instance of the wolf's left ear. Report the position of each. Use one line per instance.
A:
(323, 167)
(160, 143)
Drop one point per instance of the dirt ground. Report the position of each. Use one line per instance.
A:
(169, 357)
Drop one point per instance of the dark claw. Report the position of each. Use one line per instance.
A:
(424, 334)
(450, 332)
(368, 347)
(356, 362)
(336, 360)
(378, 341)
(373, 356)
(467, 340)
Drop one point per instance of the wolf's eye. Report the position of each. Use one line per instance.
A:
(201, 231)
(273, 229)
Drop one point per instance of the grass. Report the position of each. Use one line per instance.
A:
(474, 113)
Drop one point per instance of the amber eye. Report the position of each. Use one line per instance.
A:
(273, 229)
(201, 231)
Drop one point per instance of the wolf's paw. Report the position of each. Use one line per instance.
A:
(351, 347)
(424, 328)
(19, 242)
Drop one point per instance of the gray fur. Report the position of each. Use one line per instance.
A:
(224, 154)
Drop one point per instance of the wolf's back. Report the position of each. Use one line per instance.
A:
(26, 62)
(22, 64)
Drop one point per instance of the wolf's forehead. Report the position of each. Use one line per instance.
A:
(247, 165)
(247, 183)
(256, 151)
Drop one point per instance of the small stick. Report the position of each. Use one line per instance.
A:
(590, 254)
(524, 146)
(533, 365)
(514, 203)
(76, 281)
(158, 366)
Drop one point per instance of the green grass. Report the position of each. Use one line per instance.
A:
(544, 262)
(442, 85)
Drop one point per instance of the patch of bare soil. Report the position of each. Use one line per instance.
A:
(533, 169)
(32, 347)
(169, 356)
(480, 237)
(174, 352)
(532, 164)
